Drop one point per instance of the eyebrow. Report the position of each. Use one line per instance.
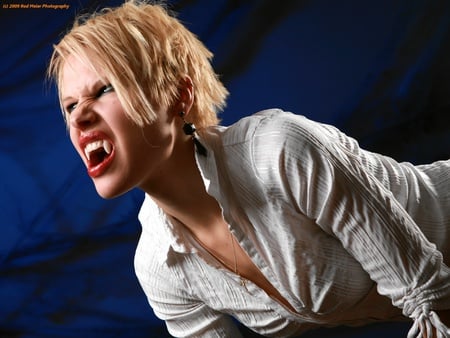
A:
(89, 89)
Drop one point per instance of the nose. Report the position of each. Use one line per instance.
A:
(82, 116)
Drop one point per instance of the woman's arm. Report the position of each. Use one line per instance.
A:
(332, 187)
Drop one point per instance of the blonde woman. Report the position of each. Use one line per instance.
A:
(280, 222)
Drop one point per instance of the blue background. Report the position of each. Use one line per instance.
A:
(377, 69)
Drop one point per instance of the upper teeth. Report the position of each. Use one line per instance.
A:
(90, 147)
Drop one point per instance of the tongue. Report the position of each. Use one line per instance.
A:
(97, 157)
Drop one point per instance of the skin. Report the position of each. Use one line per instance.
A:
(159, 159)
(95, 110)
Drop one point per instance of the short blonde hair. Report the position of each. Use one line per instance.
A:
(145, 53)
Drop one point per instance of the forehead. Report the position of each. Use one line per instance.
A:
(78, 75)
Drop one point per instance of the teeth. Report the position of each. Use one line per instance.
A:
(90, 147)
(107, 146)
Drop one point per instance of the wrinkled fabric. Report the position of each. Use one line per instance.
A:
(342, 233)
(427, 324)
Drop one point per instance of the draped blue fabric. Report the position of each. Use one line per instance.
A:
(377, 69)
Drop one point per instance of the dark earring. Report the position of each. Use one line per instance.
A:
(189, 129)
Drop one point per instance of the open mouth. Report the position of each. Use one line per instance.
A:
(96, 152)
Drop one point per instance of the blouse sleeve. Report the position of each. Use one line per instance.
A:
(184, 315)
(330, 185)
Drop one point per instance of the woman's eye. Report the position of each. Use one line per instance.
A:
(105, 89)
(70, 108)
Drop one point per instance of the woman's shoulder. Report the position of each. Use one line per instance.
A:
(272, 129)
(265, 138)
(269, 122)
(279, 122)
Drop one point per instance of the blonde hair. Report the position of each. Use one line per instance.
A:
(145, 53)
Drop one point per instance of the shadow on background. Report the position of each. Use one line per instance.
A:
(377, 69)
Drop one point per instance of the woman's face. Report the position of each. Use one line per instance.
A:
(118, 154)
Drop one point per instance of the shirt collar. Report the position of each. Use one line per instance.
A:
(171, 235)
(167, 232)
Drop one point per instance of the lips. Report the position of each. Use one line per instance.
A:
(98, 151)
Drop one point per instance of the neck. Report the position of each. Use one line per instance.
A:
(180, 192)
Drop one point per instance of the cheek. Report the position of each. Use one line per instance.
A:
(148, 141)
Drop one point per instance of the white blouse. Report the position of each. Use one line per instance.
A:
(346, 236)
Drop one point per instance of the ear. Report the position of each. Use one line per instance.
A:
(186, 95)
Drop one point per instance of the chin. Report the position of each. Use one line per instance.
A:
(107, 195)
(108, 192)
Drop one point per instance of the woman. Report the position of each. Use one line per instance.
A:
(279, 221)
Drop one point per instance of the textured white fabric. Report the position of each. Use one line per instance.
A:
(340, 232)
